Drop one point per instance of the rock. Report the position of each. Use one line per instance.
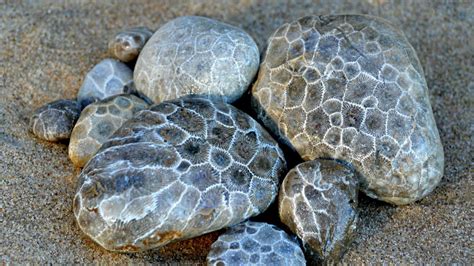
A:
(127, 44)
(54, 121)
(175, 171)
(253, 243)
(351, 87)
(109, 77)
(197, 55)
(318, 202)
(98, 121)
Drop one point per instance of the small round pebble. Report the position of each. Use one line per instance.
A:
(127, 44)
(254, 243)
(55, 121)
(318, 202)
(109, 77)
(197, 55)
(98, 122)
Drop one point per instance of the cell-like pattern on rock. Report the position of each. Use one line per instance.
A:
(254, 243)
(351, 87)
(127, 44)
(109, 77)
(197, 55)
(98, 121)
(175, 171)
(55, 121)
(318, 202)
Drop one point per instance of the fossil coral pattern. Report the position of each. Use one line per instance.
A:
(109, 77)
(318, 202)
(351, 87)
(196, 55)
(55, 121)
(127, 44)
(253, 243)
(98, 121)
(177, 170)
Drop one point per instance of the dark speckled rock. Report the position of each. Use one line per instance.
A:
(318, 201)
(55, 121)
(253, 243)
(177, 170)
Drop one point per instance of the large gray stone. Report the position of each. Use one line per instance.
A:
(318, 202)
(351, 87)
(178, 170)
(196, 55)
(254, 243)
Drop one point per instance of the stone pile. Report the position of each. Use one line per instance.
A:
(166, 156)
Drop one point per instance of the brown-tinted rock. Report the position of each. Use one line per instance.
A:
(127, 44)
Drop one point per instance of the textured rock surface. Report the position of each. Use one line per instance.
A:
(178, 170)
(253, 243)
(107, 78)
(39, 66)
(127, 44)
(351, 87)
(197, 55)
(318, 202)
(55, 120)
(98, 121)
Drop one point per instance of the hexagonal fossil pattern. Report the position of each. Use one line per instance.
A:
(351, 87)
(177, 170)
(128, 43)
(253, 243)
(98, 121)
(318, 202)
(109, 77)
(55, 121)
(197, 55)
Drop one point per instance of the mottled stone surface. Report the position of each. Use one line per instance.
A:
(318, 202)
(178, 170)
(254, 243)
(351, 87)
(55, 120)
(127, 44)
(39, 66)
(197, 55)
(98, 121)
(109, 77)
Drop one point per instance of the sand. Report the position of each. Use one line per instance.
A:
(47, 48)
